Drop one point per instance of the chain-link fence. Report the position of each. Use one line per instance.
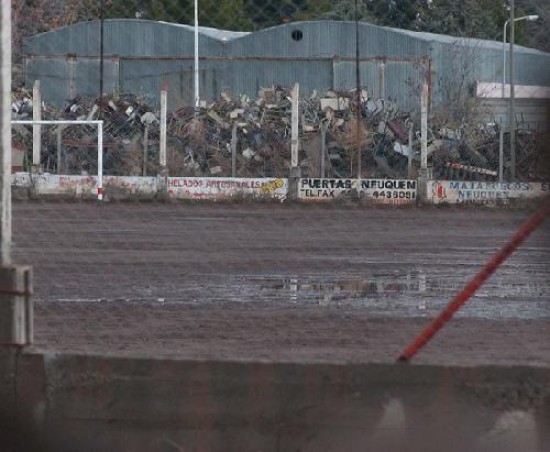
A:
(252, 285)
(228, 89)
(251, 138)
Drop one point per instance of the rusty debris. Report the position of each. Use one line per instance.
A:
(250, 137)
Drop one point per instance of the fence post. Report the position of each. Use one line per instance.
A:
(100, 160)
(501, 154)
(410, 159)
(234, 150)
(36, 128)
(424, 175)
(15, 281)
(294, 177)
(145, 149)
(59, 144)
(323, 148)
(162, 149)
(5, 135)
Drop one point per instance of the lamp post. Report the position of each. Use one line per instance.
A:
(530, 18)
(196, 64)
(359, 107)
(511, 103)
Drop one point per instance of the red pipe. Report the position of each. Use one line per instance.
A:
(521, 234)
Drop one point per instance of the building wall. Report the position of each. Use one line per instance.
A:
(142, 56)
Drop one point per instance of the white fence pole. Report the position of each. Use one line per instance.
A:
(323, 149)
(145, 150)
(100, 161)
(234, 150)
(294, 129)
(501, 154)
(37, 128)
(424, 130)
(410, 158)
(163, 113)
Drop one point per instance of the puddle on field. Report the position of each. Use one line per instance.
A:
(411, 293)
(398, 292)
(341, 289)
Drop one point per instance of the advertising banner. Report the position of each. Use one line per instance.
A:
(217, 188)
(481, 192)
(380, 191)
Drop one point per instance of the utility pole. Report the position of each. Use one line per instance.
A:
(5, 135)
(101, 50)
(15, 281)
(358, 108)
(511, 109)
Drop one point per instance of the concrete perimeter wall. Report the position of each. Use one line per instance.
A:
(374, 191)
(92, 403)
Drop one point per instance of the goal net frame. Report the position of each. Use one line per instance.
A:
(97, 123)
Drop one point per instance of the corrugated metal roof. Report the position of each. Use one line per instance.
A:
(326, 39)
(323, 38)
(470, 42)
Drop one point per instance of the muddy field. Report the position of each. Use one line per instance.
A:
(275, 281)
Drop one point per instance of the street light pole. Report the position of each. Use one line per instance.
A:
(530, 18)
(511, 108)
(512, 104)
(359, 108)
(196, 65)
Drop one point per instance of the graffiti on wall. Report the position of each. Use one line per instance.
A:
(382, 191)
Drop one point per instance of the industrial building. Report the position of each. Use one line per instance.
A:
(141, 56)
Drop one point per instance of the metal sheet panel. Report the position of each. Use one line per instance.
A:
(248, 76)
(54, 78)
(149, 76)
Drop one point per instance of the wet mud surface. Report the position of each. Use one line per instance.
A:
(281, 282)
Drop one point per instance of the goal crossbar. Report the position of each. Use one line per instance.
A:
(97, 123)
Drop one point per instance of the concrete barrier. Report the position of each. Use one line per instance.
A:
(373, 191)
(106, 403)
(122, 187)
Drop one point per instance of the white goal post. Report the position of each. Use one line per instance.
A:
(99, 125)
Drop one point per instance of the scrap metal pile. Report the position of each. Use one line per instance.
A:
(252, 137)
